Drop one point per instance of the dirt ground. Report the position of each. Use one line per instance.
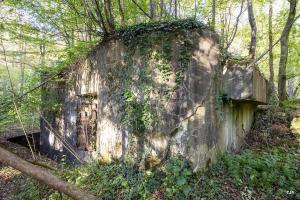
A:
(11, 179)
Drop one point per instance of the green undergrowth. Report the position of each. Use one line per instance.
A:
(260, 174)
(291, 104)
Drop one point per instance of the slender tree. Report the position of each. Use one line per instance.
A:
(175, 8)
(271, 69)
(109, 16)
(152, 9)
(271, 88)
(284, 50)
(122, 12)
(235, 28)
(251, 18)
(213, 14)
(162, 8)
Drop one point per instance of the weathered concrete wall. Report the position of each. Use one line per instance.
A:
(147, 100)
(244, 83)
(238, 118)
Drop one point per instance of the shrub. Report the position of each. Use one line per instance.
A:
(252, 174)
(177, 179)
(271, 172)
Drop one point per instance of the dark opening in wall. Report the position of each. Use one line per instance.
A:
(86, 124)
(34, 139)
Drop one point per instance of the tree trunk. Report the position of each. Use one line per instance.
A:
(223, 31)
(162, 8)
(152, 9)
(122, 12)
(195, 8)
(175, 8)
(100, 18)
(284, 51)
(252, 23)
(22, 67)
(44, 176)
(271, 69)
(213, 23)
(109, 16)
(271, 93)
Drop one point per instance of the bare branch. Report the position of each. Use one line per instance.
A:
(234, 31)
(145, 13)
(267, 51)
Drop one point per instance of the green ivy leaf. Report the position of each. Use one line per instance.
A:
(181, 181)
(186, 190)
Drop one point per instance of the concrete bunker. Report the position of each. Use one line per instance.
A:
(146, 96)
